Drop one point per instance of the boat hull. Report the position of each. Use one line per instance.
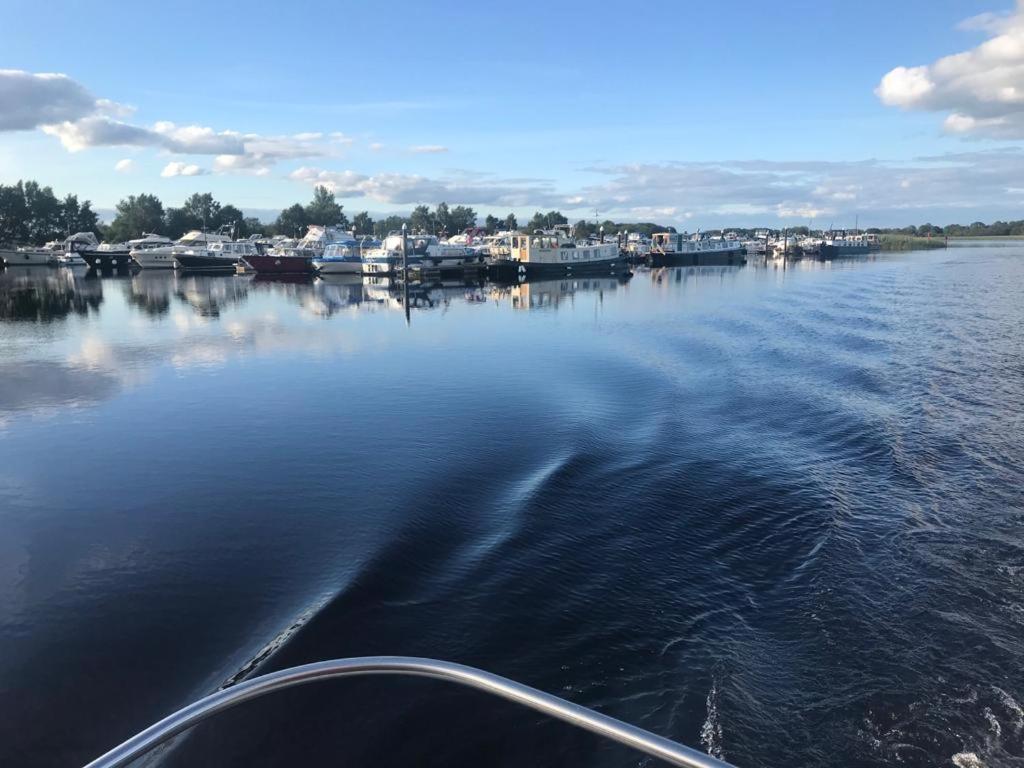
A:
(339, 267)
(281, 265)
(698, 258)
(27, 258)
(833, 252)
(156, 258)
(106, 259)
(525, 270)
(203, 263)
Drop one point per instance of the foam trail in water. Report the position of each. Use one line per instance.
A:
(1012, 706)
(275, 643)
(967, 760)
(711, 731)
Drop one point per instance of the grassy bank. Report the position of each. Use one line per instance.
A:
(910, 242)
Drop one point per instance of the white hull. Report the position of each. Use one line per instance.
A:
(28, 258)
(155, 258)
(339, 267)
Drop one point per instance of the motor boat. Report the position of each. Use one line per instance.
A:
(155, 251)
(342, 257)
(46, 256)
(222, 256)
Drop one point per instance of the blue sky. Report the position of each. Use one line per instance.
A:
(697, 114)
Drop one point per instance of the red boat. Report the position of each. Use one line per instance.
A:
(281, 265)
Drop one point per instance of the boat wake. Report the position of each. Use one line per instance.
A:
(711, 730)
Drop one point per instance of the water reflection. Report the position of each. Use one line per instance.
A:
(45, 294)
(150, 292)
(209, 295)
(548, 294)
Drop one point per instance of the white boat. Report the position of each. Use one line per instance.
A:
(29, 257)
(342, 257)
(159, 252)
(153, 251)
(421, 249)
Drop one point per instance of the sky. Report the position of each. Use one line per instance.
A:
(696, 114)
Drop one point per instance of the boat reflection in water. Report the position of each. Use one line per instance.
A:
(548, 294)
(334, 293)
(151, 291)
(208, 295)
(46, 295)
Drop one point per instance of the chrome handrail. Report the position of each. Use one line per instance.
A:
(574, 714)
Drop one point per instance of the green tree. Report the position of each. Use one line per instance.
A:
(13, 214)
(45, 221)
(135, 216)
(443, 220)
(491, 224)
(422, 220)
(178, 221)
(362, 224)
(202, 210)
(251, 226)
(385, 227)
(583, 229)
(547, 220)
(461, 218)
(325, 210)
(77, 217)
(511, 224)
(230, 216)
(292, 222)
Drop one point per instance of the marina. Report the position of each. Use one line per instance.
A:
(552, 393)
(524, 401)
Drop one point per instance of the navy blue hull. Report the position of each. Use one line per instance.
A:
(515, 270)
(709, 259)
(832, 252)
(194, 263)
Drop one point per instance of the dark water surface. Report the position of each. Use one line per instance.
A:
(775, 513)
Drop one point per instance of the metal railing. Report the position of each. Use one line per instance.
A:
(574, 714)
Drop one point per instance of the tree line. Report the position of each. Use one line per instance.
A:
(32, 214)
(975, 229)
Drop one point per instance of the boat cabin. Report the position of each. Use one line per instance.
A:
(556, 248)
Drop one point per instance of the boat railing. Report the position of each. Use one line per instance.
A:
(574, 714)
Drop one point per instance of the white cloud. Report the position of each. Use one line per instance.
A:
(198, 139)
(376, 146)
(182, 169)
(30, 100)
(100, 131)
(403, 189)
(63, 108)
(982, 89)
(124, 166)
(428, 149)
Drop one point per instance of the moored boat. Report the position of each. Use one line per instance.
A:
(844, 245)
(84, 245)
(343, 257)
(152, 251)
(681, 249)
(554, 253)
(415, 250)
(215, 257)
(281, 263)
(29, 257)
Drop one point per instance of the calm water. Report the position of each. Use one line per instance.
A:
(777, 513)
